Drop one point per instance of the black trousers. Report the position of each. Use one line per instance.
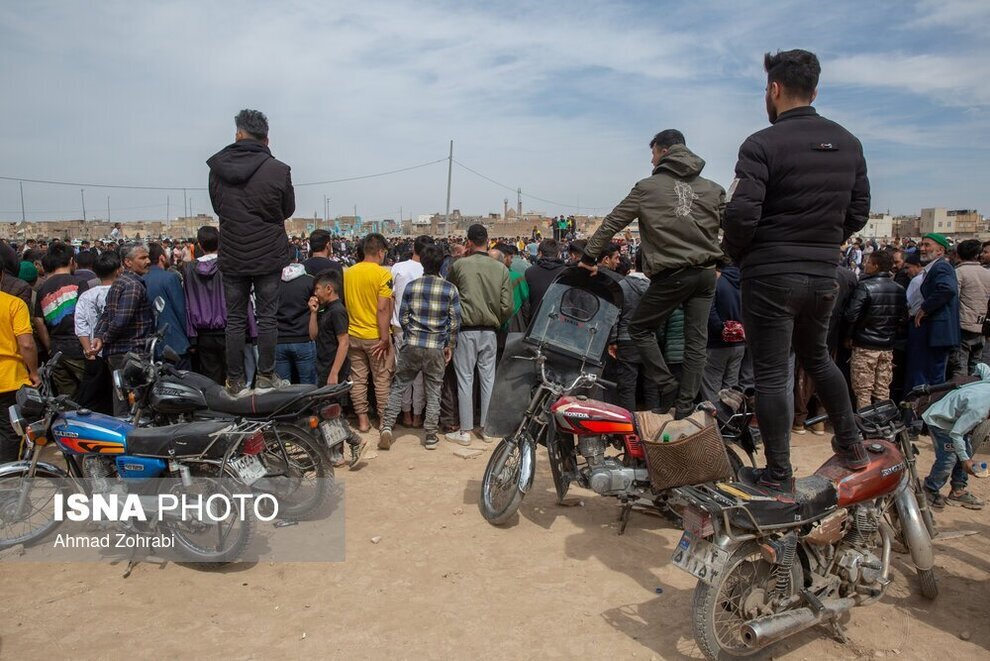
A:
(10, 442)
(787, 310)
(211, 356)
(96, 390)
(692, 289)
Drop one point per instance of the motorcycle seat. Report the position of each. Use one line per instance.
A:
(813, 498)
(255, 404)
(188, 439)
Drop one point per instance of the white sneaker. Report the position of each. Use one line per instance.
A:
(459, 437)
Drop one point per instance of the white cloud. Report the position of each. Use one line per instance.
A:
(947, 80)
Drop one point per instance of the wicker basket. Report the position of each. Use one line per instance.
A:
(693, 459)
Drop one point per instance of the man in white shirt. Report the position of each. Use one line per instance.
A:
(94, 390)
(404, 272)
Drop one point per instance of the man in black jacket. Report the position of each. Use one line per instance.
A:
(875, 319)
(539, 276)
(252, 194)
(800, 191)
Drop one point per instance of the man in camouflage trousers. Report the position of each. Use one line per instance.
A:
(875, 321)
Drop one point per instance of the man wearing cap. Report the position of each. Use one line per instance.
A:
(933, 304)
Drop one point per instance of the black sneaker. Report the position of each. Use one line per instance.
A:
(357, 451)
(853, 457)
(761, 478)
(431, 442)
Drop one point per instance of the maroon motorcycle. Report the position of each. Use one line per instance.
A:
(544, 395)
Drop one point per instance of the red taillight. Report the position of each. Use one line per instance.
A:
(330, 411)
(254, 444)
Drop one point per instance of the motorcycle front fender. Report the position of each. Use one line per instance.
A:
(527, 463)
(21, 467)
(915, 533)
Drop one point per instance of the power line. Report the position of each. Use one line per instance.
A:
(53, 182)
(529, 195)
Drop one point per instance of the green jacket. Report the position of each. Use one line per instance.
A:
(678, 211)
(486, 292)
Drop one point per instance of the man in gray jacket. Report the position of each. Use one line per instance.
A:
(679, 213)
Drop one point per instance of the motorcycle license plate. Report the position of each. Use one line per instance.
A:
(700, 558)
(334, 431)
(248, 468)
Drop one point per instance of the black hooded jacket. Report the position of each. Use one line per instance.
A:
(252, 194)
(539, 277)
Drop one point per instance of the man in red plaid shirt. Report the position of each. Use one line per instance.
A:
(430, 316)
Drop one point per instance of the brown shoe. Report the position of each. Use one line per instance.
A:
(853, 457)
(818, 429)
(798, 429)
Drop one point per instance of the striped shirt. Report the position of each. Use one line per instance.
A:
(430, 313)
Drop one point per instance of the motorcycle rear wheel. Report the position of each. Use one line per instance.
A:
(500, 493)
(304, 484)
(722, 608)
(211, 545)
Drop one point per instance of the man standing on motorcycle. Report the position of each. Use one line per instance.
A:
(678, 212)
(800, 191)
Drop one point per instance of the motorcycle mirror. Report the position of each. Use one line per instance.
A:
(168, 353)
(159, 304)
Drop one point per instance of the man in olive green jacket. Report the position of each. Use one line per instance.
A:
(679, 213)
(486, 304)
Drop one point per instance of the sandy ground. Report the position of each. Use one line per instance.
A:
(442, 583)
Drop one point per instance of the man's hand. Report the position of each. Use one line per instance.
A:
(847, 343)
(918, 318)
(613, 350)
(35, 379)
(314, 304)
(970, 466)
(448, 353)
(592, 268)
(333, 379)
(95, 347)
(382, 349)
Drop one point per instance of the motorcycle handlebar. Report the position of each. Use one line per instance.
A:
(921, 391)
(814, 421)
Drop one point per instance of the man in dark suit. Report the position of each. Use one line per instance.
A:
(934, 329)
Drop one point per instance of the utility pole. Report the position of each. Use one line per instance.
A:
(191, 206)
(108, 208)
(22, 201)
(166, 208)
(82, 194)
(450, 170)
(185, 206)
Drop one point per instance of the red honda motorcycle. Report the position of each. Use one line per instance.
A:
(770, 565)
(543, 396)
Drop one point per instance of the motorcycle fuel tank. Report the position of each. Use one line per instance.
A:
(878, 479)
(173, 396)
(85, 432)
(580, 415)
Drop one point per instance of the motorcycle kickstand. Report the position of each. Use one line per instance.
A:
(624, 517)
(838, 632)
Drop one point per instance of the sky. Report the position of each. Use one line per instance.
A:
(558, 98)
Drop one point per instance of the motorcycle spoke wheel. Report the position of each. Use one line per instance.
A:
(36, 519)
(500, 494)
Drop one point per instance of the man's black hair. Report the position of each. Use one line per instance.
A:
(373, 242)
(883, 260)
(208, 238)
(431, 258)
(609, 250)
(318, 241)
(549, 248)
(252, 122)
(421, 242)
(667, 138)
(969, 250)
(578, 246)
(329, 277)
(796, 70)
(155, 253)
(58, 257)
(624, 265)
(85, 259)
(478, 235)
(106, 264)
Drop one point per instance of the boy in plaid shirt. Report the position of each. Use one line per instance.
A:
(430, 316)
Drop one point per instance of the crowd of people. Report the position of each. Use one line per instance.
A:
(758, 288)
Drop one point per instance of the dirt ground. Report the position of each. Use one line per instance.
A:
(442, 583)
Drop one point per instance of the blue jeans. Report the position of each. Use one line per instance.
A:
(947, 463)
(296, 363)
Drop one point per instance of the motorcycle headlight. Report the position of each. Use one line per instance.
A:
(16, 419)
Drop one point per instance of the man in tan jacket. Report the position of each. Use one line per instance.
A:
(974, 294)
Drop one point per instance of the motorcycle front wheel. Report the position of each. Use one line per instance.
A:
(500, 493)
(736, 596)
(27, 507)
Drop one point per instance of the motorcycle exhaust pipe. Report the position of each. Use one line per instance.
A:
(769, 629)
